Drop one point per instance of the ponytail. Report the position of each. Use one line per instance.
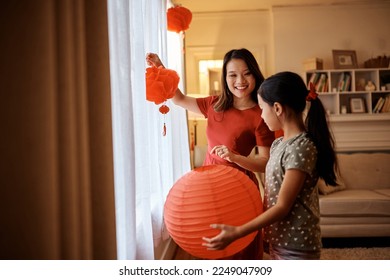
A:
(318, 130)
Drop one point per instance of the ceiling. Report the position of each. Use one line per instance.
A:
(202, 6)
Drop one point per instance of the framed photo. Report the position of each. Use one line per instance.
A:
(344, 59)
(357, 105)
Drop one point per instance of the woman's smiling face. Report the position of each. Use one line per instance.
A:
(239, 79)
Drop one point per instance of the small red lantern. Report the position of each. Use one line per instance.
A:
(178, 19)
(214, 194)
(164, 109)
(161, 84)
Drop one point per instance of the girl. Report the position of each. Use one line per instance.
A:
(234, 123)
(306, 152)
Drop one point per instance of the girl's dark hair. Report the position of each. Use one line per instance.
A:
(289, 90)
(225, 100)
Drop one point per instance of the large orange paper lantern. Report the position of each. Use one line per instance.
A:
(214, 194)
(178, 19)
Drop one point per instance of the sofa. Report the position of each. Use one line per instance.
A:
(360, 205)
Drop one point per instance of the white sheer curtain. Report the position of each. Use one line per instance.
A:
(146, 164)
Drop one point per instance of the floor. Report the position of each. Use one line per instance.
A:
(327, 243)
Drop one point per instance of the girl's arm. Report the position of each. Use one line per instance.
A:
(184, 101)
(291, 186)
(253, 163)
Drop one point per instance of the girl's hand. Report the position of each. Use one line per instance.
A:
(152, 59)
(223, 152)
(227, 235)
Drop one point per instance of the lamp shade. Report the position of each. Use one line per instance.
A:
(178, 19)
(213, 194)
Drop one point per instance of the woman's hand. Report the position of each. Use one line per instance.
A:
(152, 59)
(223, 152)
(227, 235)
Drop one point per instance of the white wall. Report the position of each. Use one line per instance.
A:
(301, 33)
(282, 38)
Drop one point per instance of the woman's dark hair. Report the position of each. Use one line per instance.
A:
(289, 90)
(226, 99)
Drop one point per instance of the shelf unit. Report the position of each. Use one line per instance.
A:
(336, 98)
(354, 132)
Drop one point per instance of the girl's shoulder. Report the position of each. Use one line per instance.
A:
(303, 144)
(276, 143)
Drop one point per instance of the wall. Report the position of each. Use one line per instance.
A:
(283, 37)
(304, 32)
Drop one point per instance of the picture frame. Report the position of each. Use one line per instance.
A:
(357, 105)
(344, 59)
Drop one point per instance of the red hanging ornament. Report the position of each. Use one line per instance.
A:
(178, 19)
(161, 84)
(164, 109)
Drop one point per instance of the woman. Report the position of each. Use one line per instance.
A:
(234, 123)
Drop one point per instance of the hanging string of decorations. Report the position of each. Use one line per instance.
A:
(161, 85)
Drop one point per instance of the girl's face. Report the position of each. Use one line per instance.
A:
(239, 79)
(268, 114)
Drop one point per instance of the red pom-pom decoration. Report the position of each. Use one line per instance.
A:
(161, 84)
(178, 19)
(214, 194)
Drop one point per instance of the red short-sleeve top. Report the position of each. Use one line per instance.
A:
(239, 130)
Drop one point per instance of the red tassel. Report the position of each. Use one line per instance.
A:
(164, 130)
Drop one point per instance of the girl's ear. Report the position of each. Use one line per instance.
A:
(278, 108)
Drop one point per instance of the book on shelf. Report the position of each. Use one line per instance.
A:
(382, 105)
(344, 82)
(321, 85)
(340, 82)
(313, 79)
(386, 105)
(320, 81)
(347, 82)
(378, 105)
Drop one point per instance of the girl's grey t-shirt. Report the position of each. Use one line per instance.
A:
(299, 229)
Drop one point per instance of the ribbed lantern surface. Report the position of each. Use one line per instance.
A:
(178, 19)
(214, 194)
